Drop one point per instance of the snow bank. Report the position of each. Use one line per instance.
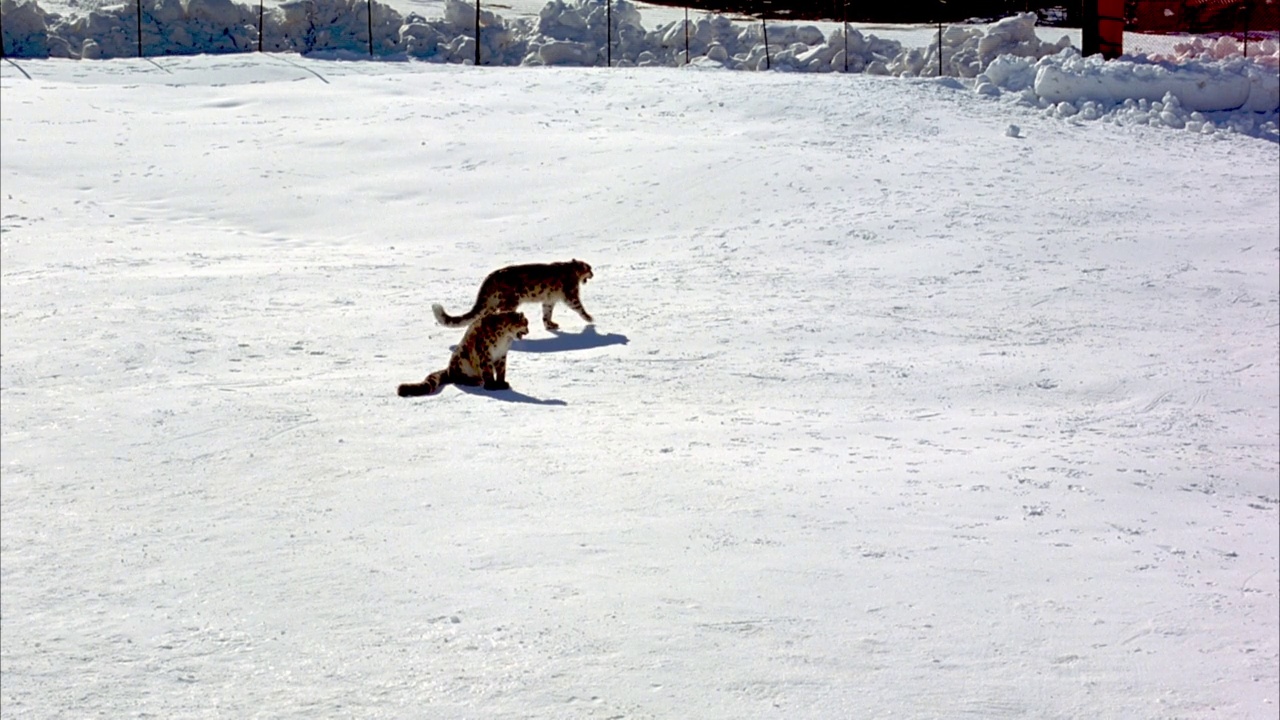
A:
(1232, 85)
(1203, 86)
(1202, 95)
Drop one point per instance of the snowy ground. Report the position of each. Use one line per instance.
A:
(891, 409)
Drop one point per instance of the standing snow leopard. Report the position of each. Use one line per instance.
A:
(507, 288)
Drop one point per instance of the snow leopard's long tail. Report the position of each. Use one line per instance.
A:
(429, 386)
(463, 320)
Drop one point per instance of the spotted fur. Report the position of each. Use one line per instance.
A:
(507, 288)
(479, 359)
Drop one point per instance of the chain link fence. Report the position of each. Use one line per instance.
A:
(753, 34)
(600, 33)
(1165, 27)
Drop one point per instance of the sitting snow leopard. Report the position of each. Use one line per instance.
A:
(479, 359)
(506, 288)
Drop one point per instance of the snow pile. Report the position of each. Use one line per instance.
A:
(453, 38)
(1211, 87)
(307, 26)
(968, 50)
(189, 27)
(1224, 85)
(1221, 48)
(1236, 94)
(565, 33)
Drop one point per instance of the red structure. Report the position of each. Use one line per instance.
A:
(1204, 16)
(1103, 28)
(1105, 21)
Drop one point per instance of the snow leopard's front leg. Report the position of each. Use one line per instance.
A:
(572, 300)
(495, 375)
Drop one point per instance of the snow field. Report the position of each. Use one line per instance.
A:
(885, 415)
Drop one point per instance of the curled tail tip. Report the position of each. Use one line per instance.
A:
(445, 318)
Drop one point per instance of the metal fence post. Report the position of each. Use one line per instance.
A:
(939, 49)
(686, 34)
(477, 33)
(1248, 10)
(260, 25)
(369, 4)
(139, 28)
(1090, 38)
(942, 7)
(764, 27)
(844, 19)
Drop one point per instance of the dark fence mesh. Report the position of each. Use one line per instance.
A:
(387, 27)
(1154, 27)
(683, 42)
(953, 11)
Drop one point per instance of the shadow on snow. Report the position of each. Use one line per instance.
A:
(508, 396)
(562, 341)
(558, 342)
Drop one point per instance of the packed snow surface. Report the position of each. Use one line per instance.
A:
(899, 401)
